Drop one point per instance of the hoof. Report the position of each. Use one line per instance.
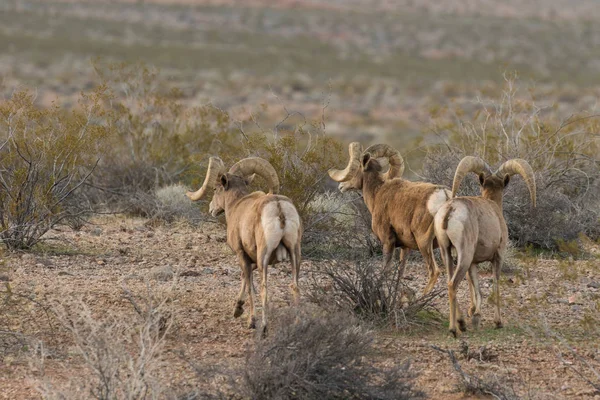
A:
(454, 333)
(252, 323)
(263, 333)
(475, 320)
(238, 310)
(499, 325)
(462, 325)
(427, 289)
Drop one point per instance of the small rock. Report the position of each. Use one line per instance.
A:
(576, 308)
(594, 284)
(190, 273)
(162, 273)
(4, 278)
(207, 271)
(63, 273)
(100, 262)
(96, 232)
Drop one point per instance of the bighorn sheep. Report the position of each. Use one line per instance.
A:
(402, 211)
(476, 228)
(262, 228)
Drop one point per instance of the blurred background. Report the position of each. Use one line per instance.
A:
(379, 66)
(168, 83)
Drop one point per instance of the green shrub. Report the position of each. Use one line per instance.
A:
(47, 155)
(563, 154)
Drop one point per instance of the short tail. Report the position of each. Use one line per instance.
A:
(447, 218)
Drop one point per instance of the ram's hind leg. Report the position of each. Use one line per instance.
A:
(263, 258)
(250, 287)
(295, 257)
(475, 309)
(462, 267)
(496, 266)
(426, 249)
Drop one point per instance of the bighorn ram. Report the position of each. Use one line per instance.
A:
(402, 211)
(262, 228)
(476, 228)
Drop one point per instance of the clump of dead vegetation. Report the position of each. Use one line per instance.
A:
(121, 355)
(474, 385)
(372, 291)
(311, 355)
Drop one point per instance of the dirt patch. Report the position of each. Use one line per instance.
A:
(95, 263)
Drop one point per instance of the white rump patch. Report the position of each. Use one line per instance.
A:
(273, 230)
(292, 221)
(271, 225)
(436, 200)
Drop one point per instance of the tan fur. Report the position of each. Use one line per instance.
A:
(262, 229)
(476, 228)
(402, 214)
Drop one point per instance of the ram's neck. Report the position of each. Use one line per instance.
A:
(232, 200)
(493, 195)
(371, 185)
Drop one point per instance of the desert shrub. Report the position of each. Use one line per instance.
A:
(47, 155)
(175, 205)
(339, 225)
(122, 356)
(301, 159)
(369, 290)
(563, 154)
(314, 356)
(160, 141)
(490, 385)
(157, 140)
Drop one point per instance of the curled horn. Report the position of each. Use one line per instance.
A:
(215, 169)
(395, 159)
(466, 165)
(343, 175)
(521, 167)
(259, 166)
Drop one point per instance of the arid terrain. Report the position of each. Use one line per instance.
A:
(132, 97)
(194, 268)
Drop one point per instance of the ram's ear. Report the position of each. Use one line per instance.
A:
(506, 180)
(481, 179)
(365, 160)
(224, 181)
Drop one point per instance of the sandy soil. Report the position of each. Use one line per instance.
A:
(94, 264)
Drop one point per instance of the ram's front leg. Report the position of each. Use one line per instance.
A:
(389, 245)
(246, 269)
(241, 299)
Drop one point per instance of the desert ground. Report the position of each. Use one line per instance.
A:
(194, 268)
(418, 75)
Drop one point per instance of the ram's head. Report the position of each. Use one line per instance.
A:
(493, 183)
(230, 184)
(373, 158)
